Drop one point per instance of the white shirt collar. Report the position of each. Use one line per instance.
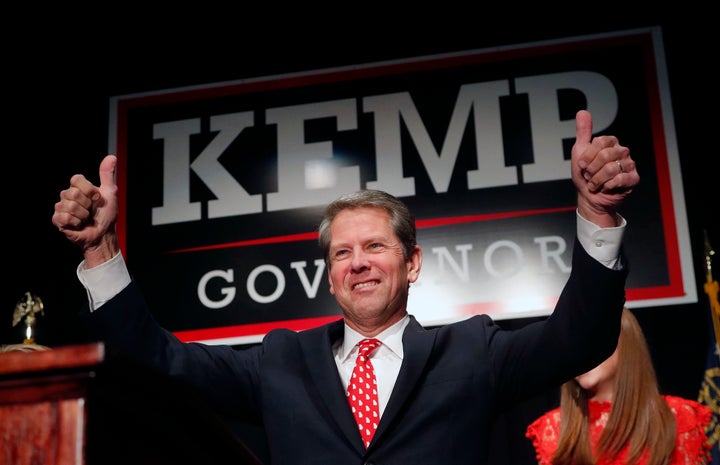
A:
(391, 339)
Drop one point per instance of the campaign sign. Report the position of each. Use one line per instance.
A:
(223, 185)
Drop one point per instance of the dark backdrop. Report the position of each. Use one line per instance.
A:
(60, 72)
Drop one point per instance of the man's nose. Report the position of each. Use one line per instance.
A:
(360, 260)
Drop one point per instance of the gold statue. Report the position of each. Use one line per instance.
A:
(28, 307)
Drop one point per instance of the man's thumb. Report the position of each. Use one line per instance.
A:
(107, 171)
(583, 129)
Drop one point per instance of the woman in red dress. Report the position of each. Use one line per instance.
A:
(615, 415)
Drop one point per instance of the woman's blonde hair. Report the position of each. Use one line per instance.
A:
(639, 417)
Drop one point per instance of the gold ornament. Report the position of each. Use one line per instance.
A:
(28, 307)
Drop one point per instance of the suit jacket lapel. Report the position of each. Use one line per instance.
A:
(417, 345)
(323, 371)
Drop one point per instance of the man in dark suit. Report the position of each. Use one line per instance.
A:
(438, 389)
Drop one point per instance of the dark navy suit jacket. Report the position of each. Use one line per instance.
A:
(454, 379)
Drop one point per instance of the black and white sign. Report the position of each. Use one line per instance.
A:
(223, 185)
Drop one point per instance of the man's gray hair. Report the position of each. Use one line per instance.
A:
(402, 221)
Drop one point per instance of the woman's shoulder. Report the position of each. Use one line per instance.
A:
(689, 413)
(544, 433)
(547, 424)
(692, 419)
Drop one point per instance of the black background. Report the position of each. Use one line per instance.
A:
(59, 73)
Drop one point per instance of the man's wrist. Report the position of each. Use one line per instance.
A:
(603, 244)
(104, 251)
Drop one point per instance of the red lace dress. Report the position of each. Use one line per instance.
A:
(691, 446)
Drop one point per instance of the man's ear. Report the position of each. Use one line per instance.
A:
(414, 263)
(332, 290)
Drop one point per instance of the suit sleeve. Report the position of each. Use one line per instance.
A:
(581, 332)
(223, 375)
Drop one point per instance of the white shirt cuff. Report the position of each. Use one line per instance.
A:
(105, 281)
(603, 244)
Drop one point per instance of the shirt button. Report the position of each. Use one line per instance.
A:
(599, 243)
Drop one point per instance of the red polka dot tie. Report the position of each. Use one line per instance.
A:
(362, 391)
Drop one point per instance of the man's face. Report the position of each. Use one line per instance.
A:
(368, 274)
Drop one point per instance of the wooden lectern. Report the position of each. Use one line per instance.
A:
(75, 405)
(43, 404)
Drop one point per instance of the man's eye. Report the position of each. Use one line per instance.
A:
(375, 245)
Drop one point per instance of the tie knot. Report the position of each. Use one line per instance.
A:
(368, 345)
